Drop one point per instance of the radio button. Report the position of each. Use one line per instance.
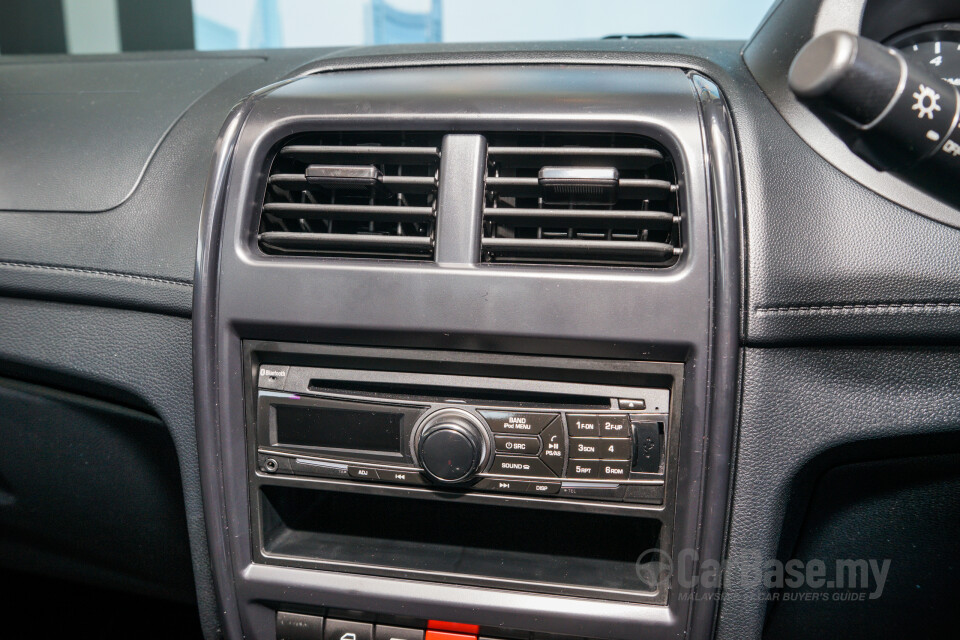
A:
(363, 473)
(614, 426)
(520, 466)
(616, 449)
(632, 405)
(585, 448)
(583, 469)
(554, 450)
(503, 485)
(517, 423)
(583, 426)
(543, 488)
(402, 477)
(522, 445)
(615, 469)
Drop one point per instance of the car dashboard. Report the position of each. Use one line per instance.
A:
(526, 341)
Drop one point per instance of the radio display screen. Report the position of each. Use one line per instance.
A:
(335, 428)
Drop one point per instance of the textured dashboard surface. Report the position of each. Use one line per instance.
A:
(800, 405)
(139, 254)
(100, 121)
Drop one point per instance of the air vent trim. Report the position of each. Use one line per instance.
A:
(634, 220)
(352, 195)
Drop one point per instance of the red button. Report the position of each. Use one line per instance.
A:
(458, 627)
(433, 634)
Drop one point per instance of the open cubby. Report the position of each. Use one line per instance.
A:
(456, 541)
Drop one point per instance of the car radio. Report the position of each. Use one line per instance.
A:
(542, 439)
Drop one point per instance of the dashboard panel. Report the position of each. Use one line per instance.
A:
(792, 309)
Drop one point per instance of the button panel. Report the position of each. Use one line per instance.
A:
(535, 453)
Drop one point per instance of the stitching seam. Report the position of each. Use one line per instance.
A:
(893, 307)
(110, 274)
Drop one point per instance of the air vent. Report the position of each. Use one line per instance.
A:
(366, 195)
(595, 199)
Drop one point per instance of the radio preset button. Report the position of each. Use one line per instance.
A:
(583, 426)
(520, 466)
(363, 473)
(554, 450)
(616, 449)
(614, 469)
(614, 426)
(583, 469)
(402, 477)
(522, 445)
(517, 423)
(584, 448)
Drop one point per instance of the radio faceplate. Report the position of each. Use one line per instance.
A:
(450, 433)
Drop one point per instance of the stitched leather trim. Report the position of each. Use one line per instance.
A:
(94, 272)
(893, 307)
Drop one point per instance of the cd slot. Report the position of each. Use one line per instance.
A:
(445, 394)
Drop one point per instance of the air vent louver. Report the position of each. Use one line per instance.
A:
(369, 195)
(597, 199)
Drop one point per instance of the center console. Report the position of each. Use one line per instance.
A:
(558, 470)
(465, 355)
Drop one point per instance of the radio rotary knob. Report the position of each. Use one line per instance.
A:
(452, 446)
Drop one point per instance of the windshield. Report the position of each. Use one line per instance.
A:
(110, 26)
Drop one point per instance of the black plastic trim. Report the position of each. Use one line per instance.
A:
(599, 619)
